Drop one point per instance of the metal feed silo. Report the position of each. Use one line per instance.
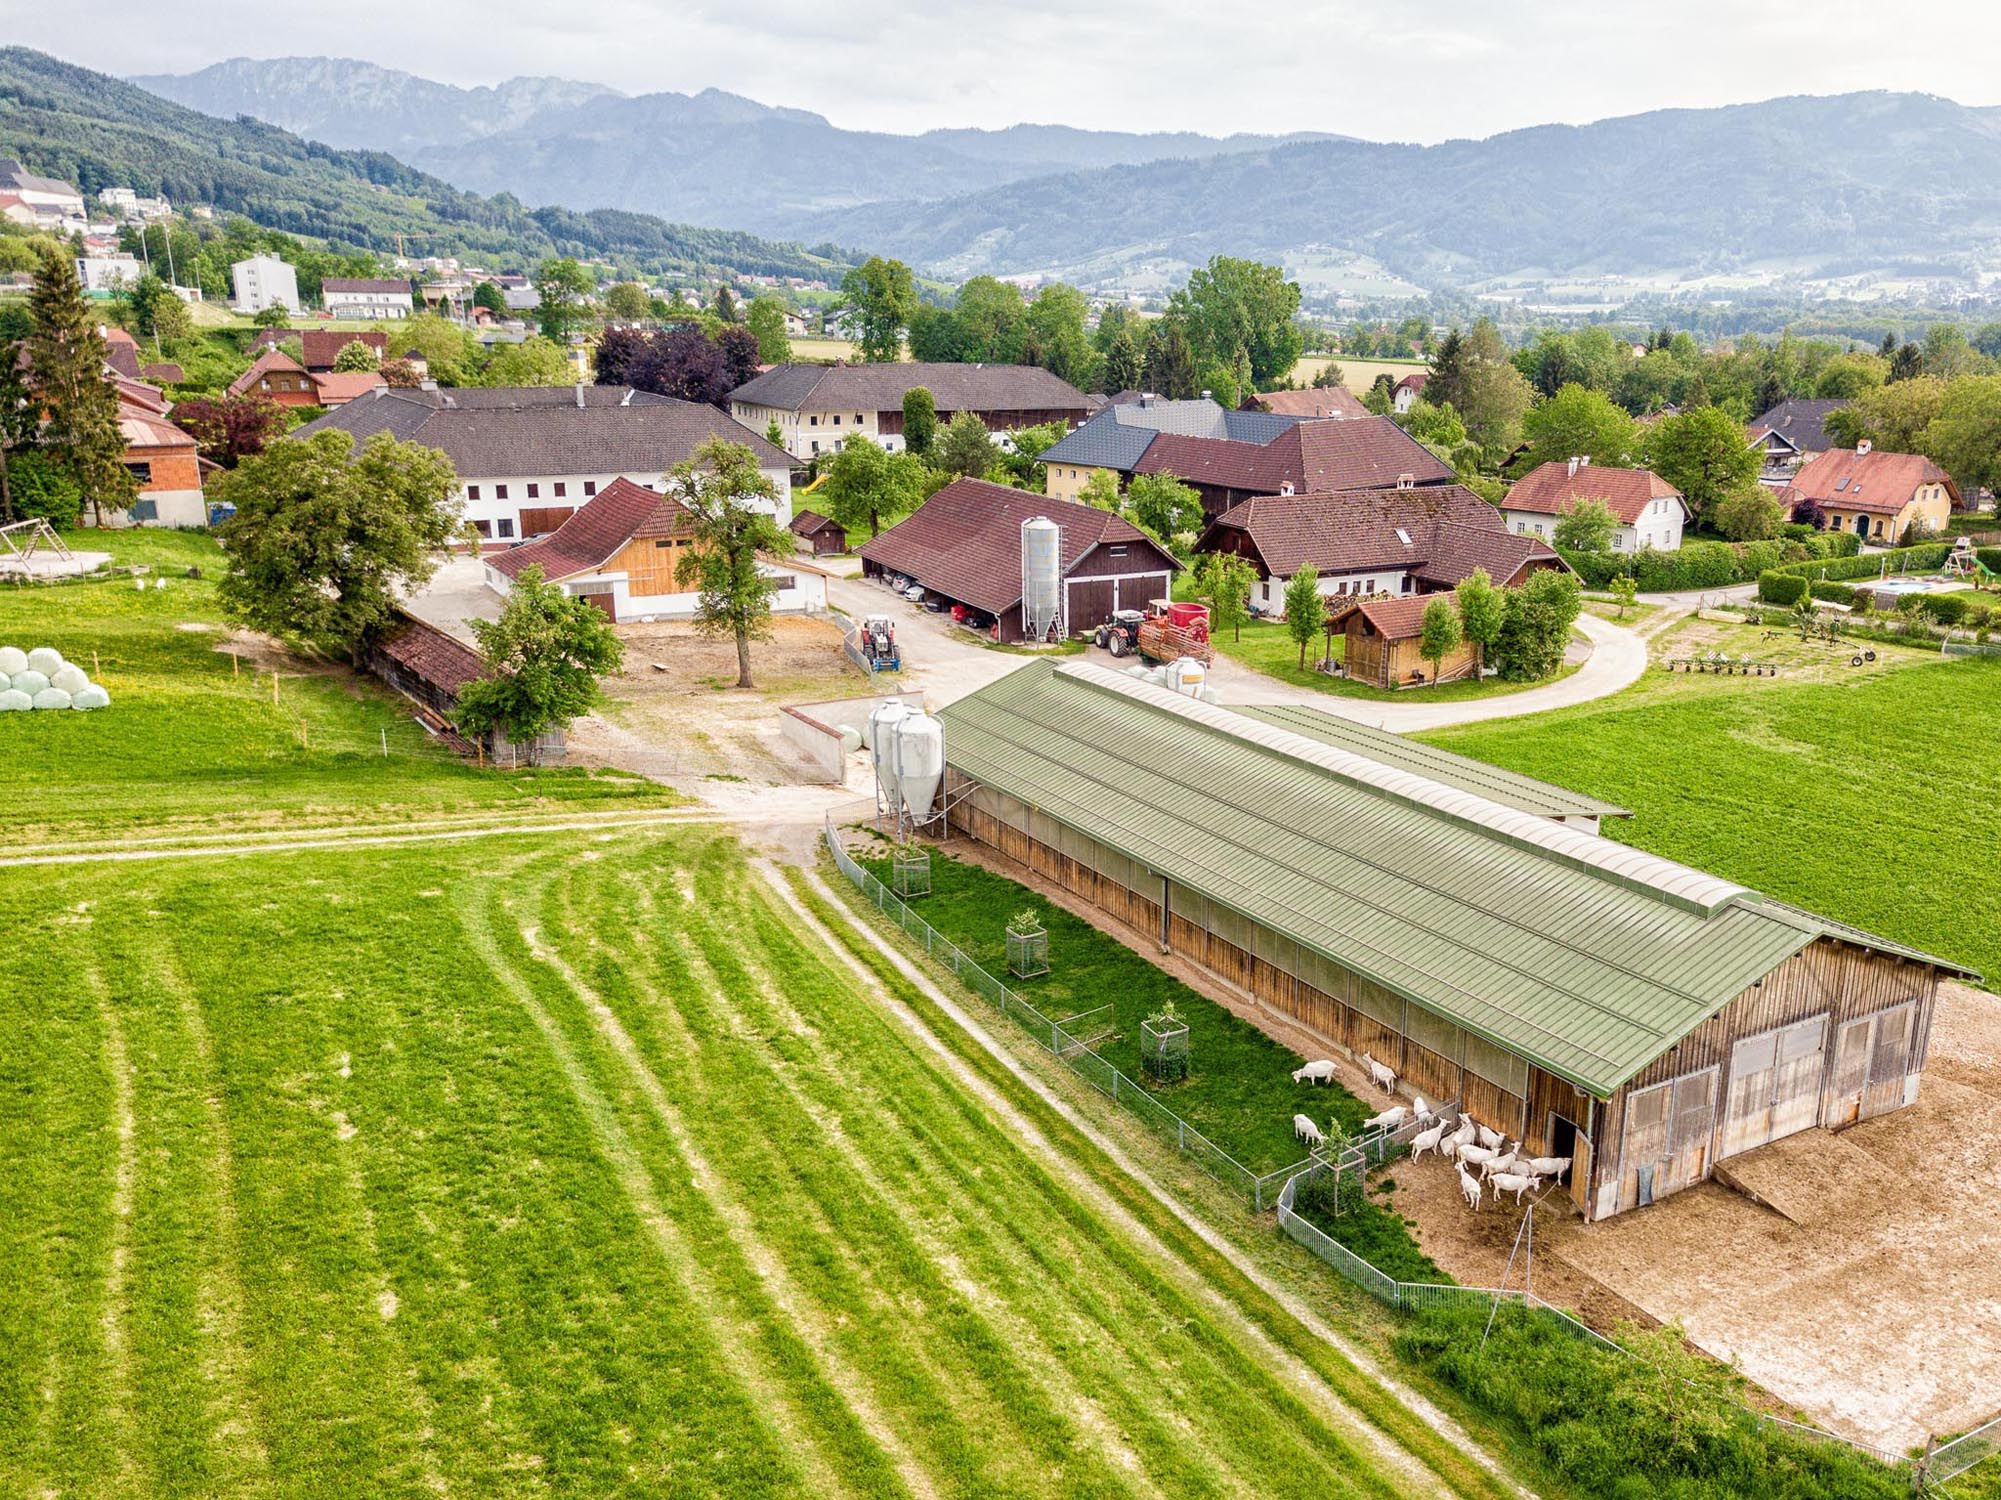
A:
(1041, 578)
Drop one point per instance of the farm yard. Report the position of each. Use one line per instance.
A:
(537, 1168)
(1265, 647)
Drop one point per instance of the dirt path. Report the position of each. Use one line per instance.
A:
(1024, 1130)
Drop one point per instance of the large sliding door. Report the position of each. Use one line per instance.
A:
(1775, 1081)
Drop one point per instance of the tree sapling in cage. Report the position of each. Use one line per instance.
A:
(1027, 945)
(910, 871)
(1164, 1044)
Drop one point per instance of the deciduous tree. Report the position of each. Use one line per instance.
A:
(1170, 360)
(489, 296)
(1587, 526)
(228, 429)
(920, 420)
(355, 356)
(1964, 438)
(326, 540)
(1535, 628)
(1163, 507)
(879, 295)
(1233, 304)
(766, 319)
(1226, 580)
(627, 302)
(564, 287)
(1439, 633)
(730, 497)
(869, 488)
(545, 658)
(1703, 454)
(535, 361)
(1305, 610)
(1749, 514)
(966, 447)
(1100, 489)
(1579, 423)
(1482, 610)
(158, 312)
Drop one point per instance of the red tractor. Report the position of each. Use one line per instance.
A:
(1163, 631)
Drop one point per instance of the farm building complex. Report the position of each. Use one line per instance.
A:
(964, 545)
(1640, 1018)
(817, 406)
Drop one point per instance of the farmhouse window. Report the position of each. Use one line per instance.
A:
(140, 470)
(562, 489)
(500, 492)
(484, 528)
(785, 581)
(472, 492)
(506, 528)
(534, 492)
(590, 487)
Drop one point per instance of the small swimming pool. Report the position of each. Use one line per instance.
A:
(1901, 585)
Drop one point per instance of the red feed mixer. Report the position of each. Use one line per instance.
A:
(1164, 631)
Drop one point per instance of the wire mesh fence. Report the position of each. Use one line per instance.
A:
(1260, 1188)
(1350, 1164)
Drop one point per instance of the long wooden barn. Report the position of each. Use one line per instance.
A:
(1641, 1018)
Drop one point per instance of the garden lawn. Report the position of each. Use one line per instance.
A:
(1874, 799)
(1239, 1092)
(523, 1169)
(1268, 649)
(188, 742)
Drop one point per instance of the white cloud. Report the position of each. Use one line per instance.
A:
(1450, 68)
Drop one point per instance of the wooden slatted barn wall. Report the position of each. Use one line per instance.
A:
(1829, 978)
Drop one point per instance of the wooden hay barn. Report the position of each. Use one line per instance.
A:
(1641, 1018)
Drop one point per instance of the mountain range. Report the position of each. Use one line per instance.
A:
(708, 158)
(98, 131)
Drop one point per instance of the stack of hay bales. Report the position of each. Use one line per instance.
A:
(42, 679)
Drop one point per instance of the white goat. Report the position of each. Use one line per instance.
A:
(1424, 1112)
(1556, 1167)
(1389, 1119)
(1315, 1072)
(1305, 1130)
(1493, 1140)
(1384, 1075)
(1463, 1136)
(1514, 1182)
(1428, 1140)
(1476, 1155)
(1502, 1163)
(1469, 1185)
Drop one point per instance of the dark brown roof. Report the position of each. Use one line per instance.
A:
(1439, 533)
(1551, 489)
(1359, 453)
(806, 522)
(267, 362)
(121, 352)
(594, 532)
(164, 373)
(1881, 483)
(965, 541)
(882, 387)
(1321, 401)
(429, 653)
(364, 284)
(1400, 618)
(502, 432)
(320, 347)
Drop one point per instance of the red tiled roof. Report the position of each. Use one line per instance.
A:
(1360, 453)
(430, 654)
(1440, 533)
(965, 541)
(1321, 401)
(320, 347)
(1551, 489)
(806, 522)
(267, 362)
(164, 373)
(339, 386)
(1400, 618)
(594, 532)
(1875, 481)
(1415, 381)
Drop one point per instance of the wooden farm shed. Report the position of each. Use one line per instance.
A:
(1636, 1016)
(1383, 639)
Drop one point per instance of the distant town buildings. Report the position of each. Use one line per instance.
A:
(105, 274)
(48, 198)
(816, 406)
(366, 297)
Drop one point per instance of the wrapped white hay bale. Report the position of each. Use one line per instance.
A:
(30, 682)
(12, 659)
(46, 660)
(71, 679)
(52, 698)
(91, 697)
(12, 700)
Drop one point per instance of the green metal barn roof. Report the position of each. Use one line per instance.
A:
(1588, 957)
(1506, 787)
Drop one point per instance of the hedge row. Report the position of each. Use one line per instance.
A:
(1710, 565)
(1919, 559)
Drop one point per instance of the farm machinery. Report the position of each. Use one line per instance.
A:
(877, 640)
(1164, 631)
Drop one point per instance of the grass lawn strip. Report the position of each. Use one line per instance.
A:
(1267, 648)
(1012, 1088)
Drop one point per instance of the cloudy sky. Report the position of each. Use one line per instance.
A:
(1371, 68)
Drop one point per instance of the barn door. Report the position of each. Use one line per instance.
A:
(1694, 1127)
(1775, 1084)
(1747, 1122)
(1796, 1088)
(1851, 1073)
(1889, 1060)
(1647, 1117)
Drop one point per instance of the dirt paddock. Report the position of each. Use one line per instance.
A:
(1864, 1291)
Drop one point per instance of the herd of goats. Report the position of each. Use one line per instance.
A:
(1471, 1145)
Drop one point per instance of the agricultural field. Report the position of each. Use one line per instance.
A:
(1356, 374)
(195, 739)
(532, 1168)
(1872, 795)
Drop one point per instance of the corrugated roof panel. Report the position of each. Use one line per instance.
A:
(1577, 956)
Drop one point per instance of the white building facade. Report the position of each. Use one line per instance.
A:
(108, 273)
(264, 282)
(369, 298)
(517, 507)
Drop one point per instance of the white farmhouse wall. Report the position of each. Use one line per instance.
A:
(498, 501)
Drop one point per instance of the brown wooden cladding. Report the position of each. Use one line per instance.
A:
(648, 564)
(1433, 1056)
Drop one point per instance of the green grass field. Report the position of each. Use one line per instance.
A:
(1266, 647)
(1873, 798)
(537, 1169)
(190, 742)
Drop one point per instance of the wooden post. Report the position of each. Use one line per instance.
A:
(274, 685)
(234, 663)
(385, 744)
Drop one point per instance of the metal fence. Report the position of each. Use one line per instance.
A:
(1261, 1189)
(851, 632)
(1280, 1189)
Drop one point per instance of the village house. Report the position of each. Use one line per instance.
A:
(52, 201)
(528, 456)
(263, 282)
(965, 546)
(1878, 496)
(102, 275)
(276, 376)
(1118, 434)
(1373, 542)
(159, 455)
(621, 550)
(1319, 401)
(368, 298)
(1647, 511)
(1791, 433)
(818, 534)
(1637, 1018)
(320, 347)
(817, 406)
(1408, 391)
